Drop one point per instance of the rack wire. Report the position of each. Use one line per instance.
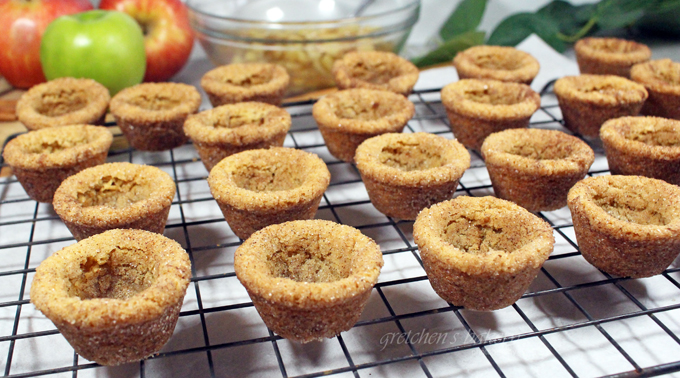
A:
(573, 321)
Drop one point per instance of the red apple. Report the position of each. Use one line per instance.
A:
(168, 38)
(22, 23)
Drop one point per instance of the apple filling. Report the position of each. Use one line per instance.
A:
(411, 157)
(269, 175)
(113, 192)
(60, 101)
(311, 260)
(117, 274)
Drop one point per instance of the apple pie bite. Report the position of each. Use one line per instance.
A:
(375, 70)
(609, 56)
(63, 101)
(497, 63)
(241, 82)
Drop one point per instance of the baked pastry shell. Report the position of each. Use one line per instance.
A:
(497, 63)
(643, 146)
(478, 108)
(661, 78)
(113, 330)
(609, 56)
(241, 82)
(481, 281)
(152, 115)
(294, 306)
(42, 159)
(587, 101)
(63, 101)
(405, 173)
(634, 247)
(80, 204)
(349, 117)
(535, 168)
(229, 129)
(258, 188)
(381, 70)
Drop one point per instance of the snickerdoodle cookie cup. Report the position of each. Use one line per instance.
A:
(229, 129)
(63, 101)
(241, 82)
(308, 279)
(643, 146)
(609, 56)
(405, 173)
(115, 195)
(42, 159)
(152, 115)
(627, 225)
(587, 101)
(116, 296)
(481, 253)
(535, 168)
(661, 78)
(497, 63)
(375, 70)
(258, 188)
(348, 117)
(478, 108)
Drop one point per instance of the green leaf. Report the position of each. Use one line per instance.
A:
(466, 17)
(448, 50)
(616, 14)
(516, 28)
(570, 18)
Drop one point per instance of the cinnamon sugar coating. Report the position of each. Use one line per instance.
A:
(661, 78)
(241, 82)
(42, 159)
(115, 296)
(609, 56)
(627, 225)
(308, 279)
(481, 253)
(643, 146)
(405, 173)
(63, 101)
(478, 108)
(229, 129)
(349, 117)
(258, 188)
(152, 115)
(587, 101)
(115, 195)
(535, 168)
(375, 70)
(497, 63)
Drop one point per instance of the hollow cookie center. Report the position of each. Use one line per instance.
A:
(376, 73)
(311, 261)
(540, 151)
(156, 102)
(494, 96)
(114, 192)
(367, 110)
(627, 205)
(663, 136)
(508, 62)
(474, 236)
(116, 274)
(251, 79)
(64, 101)
(410, 157)
(49, 145)
(269, 176)
(236, 119)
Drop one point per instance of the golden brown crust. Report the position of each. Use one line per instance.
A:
(42, 159)
(63, 101)
(643, 146)
(115, 296)
(348, 117)
(535, 168)
(609, 56)
(627, 225)
(257, 188)
(375, 70)
(240, 82)
(232, 128)
(151, 115)
(587, 101)
(115, 195)
(497, 63)
(661, 78)
(481, 253)
(405, 173)
(478, 108)
(308, 279)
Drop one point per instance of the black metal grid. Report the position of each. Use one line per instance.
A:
(574, 320)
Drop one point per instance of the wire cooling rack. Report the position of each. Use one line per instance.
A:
(573, 321)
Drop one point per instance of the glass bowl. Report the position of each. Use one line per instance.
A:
(304, 36)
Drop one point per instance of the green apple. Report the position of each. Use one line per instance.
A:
(107, 46)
